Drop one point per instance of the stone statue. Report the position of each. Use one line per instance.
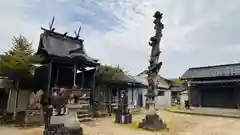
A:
(35, 100)
(152, 121)
(34, 110)
(123, 115)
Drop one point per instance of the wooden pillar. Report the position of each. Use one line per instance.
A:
(57, 75)
(110, 101)
(189, 95)
(237, 96)
(49, 92)
(82, 77)
(74, 74)
(117, 99)
(199, 97)
(93, 92)
(132, 95)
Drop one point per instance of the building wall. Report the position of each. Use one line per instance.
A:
(137, 92)
(237, 96)
(163, 101)
(219, 95)
(194, 96)
(183, 97)
(3, 82)
(22, 100)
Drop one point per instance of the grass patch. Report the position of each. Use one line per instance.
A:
(176, 80)
(174, 108)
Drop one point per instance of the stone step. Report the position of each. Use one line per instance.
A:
(83, 115)
(84, 98)
(83, 101)
(85, 111)
(85, 119)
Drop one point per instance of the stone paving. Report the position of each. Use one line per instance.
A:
(179, 124)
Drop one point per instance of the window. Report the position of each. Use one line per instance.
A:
(160, 93)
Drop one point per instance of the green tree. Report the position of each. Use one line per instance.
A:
(19, 62)
(106, 73)
(20, 57)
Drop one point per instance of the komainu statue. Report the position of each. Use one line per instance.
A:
(35, 100)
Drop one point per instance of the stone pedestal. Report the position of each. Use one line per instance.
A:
(63, 125)
(152, 121)
(123, 118)
(33, 117)
(123, 115)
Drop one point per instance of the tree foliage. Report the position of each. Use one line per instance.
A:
(20, 58)
(106, 73)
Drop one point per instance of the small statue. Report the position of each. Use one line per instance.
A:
(35, 100)
(71, 99)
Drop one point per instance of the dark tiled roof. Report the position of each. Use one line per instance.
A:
(63, 47)
(212, 71)
(215, 81)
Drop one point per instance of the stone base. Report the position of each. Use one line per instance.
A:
(60, 129)
(123, 119)
(74, 130)
(152, 122)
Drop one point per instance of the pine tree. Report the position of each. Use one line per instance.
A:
(18, 62)
(20, 57)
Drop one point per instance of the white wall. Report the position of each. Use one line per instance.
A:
(22, 100)
(163, 101)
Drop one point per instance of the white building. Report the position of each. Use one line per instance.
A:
(167, 91)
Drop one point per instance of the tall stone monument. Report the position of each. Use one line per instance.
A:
(123, 114)
(152, 121)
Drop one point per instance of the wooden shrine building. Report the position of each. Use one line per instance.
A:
(214, 86)
(65, 63)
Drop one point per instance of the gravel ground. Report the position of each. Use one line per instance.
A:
(178, 124)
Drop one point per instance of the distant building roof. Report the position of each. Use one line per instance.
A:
(212, 71)
(63, 47)
(162, 82)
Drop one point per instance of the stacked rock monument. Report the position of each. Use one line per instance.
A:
(152, 120)
(123, 114)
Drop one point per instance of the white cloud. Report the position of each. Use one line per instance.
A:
(185, 43)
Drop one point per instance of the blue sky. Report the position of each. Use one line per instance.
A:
(196, 33)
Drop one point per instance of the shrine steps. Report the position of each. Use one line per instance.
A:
(85, 119)
(84, 116)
